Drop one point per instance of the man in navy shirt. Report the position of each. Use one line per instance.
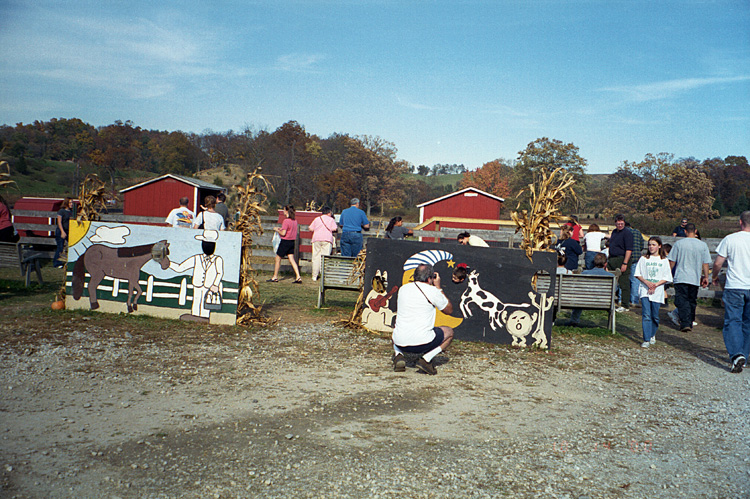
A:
(352, 221)
(620, 252)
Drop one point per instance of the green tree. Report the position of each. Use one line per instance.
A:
(662, 188)
(546, 155)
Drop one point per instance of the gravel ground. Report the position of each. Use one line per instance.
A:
(316, 411)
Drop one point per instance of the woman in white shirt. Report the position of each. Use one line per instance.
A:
(592, 242)
(208, 217)
(654, 272)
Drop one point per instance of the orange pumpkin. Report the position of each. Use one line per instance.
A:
(58, 305)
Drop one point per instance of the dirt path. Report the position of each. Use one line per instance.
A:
(100, 407)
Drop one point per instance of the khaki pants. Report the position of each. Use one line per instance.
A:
(319, 248)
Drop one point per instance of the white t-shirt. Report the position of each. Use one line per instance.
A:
(593, 241)
(736, 249)
(210, 220)
(415, 317)
(654, 269)
(181, 217)
(563, 270)
(477, 241)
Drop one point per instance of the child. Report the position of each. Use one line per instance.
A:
(562, 260)
(460, 273)
(654, 271)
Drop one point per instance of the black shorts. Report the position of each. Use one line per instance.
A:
(286, 247)
(436, 342)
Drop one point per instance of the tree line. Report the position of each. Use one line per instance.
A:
(303, 167)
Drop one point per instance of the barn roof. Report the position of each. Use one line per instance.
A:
(471, 189)
(195, 182)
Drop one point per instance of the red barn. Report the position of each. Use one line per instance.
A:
(158, 196)
(467, 203)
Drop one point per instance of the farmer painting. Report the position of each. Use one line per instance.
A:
(208, 271)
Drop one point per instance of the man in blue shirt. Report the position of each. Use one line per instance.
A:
(352, 221)
(620, 252)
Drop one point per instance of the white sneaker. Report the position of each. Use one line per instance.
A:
(695, 323)
(622, 309)
(652, 340)
(646, 344)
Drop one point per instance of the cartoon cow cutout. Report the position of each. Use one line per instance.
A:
(377, 314)
(519, 319)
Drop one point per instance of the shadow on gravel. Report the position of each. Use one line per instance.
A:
(704, 343)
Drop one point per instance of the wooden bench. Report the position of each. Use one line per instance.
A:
(336, 272)
(588, 292)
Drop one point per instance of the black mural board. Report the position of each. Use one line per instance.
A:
(495, 304)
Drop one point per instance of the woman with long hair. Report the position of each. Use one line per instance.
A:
(570, 247)
(396, 229)
(64, 214)
(7, 233)
(288, 233)
(653, 270)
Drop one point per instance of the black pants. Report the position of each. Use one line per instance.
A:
(614, 263)
(685, 299)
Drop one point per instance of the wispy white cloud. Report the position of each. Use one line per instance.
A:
(404, 101)
(299, 62)
(670, 88)
(134, 57)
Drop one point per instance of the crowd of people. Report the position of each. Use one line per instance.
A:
(643, 272)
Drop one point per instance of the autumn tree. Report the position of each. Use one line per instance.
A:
(662, 188)
(546, 155)
(493, 177)
(731, 179)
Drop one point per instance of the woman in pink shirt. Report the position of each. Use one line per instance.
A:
(288, 233)
(322, 228)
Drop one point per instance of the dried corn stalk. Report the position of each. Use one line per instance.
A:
(358, 275)
(312, 206)
(5, 180)
(546, 195)
(92, 199)
(250, 198)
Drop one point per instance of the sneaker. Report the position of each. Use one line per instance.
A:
(652, 340)
(570, 324)
(426, 367)
(674, 317)
(622, 309)
(686, 329)
(646, 344)
(695, 323)
(399, 363)
(737, 364)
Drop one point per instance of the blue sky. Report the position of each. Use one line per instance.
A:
(445, 81)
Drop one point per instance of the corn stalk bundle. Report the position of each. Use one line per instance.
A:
(358, 275)
(92, 199)
(546, 195)
(250, 198)
(5, 180)
(312, 206)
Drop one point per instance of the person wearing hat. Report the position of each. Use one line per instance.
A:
(208, 271)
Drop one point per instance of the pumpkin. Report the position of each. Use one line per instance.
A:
(58, 305)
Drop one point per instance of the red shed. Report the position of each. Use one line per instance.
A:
(466, 203)
(303, 218)
(158, 196)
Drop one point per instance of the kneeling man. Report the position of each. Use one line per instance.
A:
(415, 320)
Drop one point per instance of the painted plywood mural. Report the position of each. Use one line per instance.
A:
(167, 272)
(490, 288)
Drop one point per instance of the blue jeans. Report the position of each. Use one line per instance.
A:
(737, 322)
(635, 286)
(588, 258)
(351, 243)
(649, 318)
(60, 248)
